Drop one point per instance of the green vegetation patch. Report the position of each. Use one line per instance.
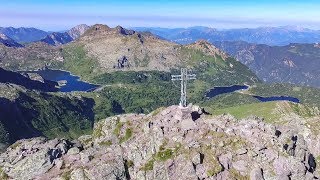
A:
(106, 143)
(3, 175)
(215, 71)
(77, 62)
(228, 100)
(127, 136)
(215, 167)
(117, 129)
(132, 77)
(129, 163)
(265, 110)
(162, 155)
(148, 166)
(66, 175)
(307, 95)
(53, 115)
(303, 110)
(236, 175)
(165, 154)
(98, 132)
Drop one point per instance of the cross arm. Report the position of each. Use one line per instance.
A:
(191, 76)
(175, 77)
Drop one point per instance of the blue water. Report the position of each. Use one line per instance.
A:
(222, 90)
(277, 98)
(73, 82)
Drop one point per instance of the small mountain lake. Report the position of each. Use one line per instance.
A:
(277, 98)
(228, 89)
(70, 82)
(222, 90)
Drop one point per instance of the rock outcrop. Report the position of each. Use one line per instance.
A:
(170, 144)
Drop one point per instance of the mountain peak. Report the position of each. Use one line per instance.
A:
(59, 38)
(208, 48)
(124, 31)
(78, 30)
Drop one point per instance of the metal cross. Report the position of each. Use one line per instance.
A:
(183, 77)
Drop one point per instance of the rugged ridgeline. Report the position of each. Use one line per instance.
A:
(23, 35)
(290, 62)
(102, 49)
(273, 36)
(31, 57)
(26, 110)
(58, 38)
(173, 143)
(294, 63)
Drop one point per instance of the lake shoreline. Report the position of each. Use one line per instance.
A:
(244, 89)
(72, 83)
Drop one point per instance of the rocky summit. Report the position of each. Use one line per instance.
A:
(172, 143)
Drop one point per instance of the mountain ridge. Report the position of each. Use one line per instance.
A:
(23, 34)
(60, 38)
(282, 35)
(278, 63)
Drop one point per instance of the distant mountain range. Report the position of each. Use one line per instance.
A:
(17, 36)
(24, 35)
(121, 48)
(293, 63)
(59, 38)
(263, 35)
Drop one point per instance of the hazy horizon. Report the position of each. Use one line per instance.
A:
(133, 27)
(60, 15)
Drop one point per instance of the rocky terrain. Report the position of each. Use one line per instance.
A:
(113, 49)
(173, 143)
(59, 38)
(31, 57)
(119, 48)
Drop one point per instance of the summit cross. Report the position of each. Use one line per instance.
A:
(183, 77)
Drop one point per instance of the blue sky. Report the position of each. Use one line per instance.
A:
(63, 14)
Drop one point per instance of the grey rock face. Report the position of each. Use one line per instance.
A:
(256, 174)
